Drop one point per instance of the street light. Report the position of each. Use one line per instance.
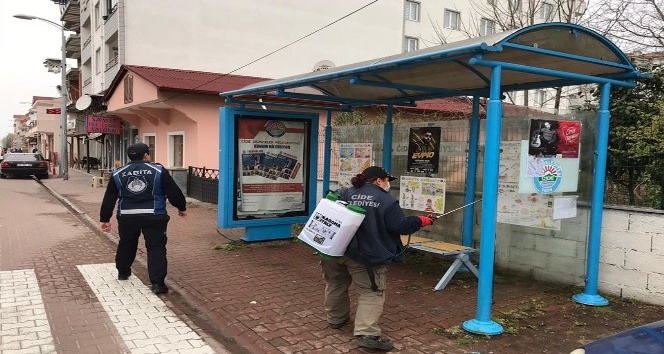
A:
(64, 160)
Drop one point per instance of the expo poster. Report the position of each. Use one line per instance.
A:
(423, 194)
(424, 149)
(553, 138)
(271, 153)
(353, 159)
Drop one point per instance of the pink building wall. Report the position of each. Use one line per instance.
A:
(160, 113)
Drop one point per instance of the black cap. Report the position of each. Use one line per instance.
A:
(377, 172)
(137, 151)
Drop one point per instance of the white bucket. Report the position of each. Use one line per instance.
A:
(331, 227)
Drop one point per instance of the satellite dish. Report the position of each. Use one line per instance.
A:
(83, 102)
(323, 65)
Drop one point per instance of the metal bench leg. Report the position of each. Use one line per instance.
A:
(466, 260)
(458, 261)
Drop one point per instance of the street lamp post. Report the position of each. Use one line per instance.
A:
(64, 160)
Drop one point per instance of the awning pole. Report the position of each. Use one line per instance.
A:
(589, 295)
(471, 174)
(328, 153)
(387, 139)
(483, 323)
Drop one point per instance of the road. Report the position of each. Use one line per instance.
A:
(59, 291)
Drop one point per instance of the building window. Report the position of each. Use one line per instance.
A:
(452, 19)
(412, 10)
(98, 60)
(176, 149)
(411, 44)
(97, 15)
(487, 27)
(540, 98)
(150, 140)
(546, 11)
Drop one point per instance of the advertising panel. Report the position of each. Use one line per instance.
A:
(270, 155)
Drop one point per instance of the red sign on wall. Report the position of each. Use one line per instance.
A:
(53, 111)
(104, 125)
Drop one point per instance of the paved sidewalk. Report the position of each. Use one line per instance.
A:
(267, 297)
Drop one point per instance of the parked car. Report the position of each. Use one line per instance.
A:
(646, 339)
(24, 164)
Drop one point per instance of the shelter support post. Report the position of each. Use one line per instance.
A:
(483, 324)
(328, 153)
(471, 175)
(387, 139)
(589, 295)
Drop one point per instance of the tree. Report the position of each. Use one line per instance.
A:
(636, 138)
(513, 14)
(634, 25)
(7, 141)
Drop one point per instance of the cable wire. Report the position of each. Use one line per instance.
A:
(276, 50)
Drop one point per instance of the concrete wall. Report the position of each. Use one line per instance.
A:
(632, 256)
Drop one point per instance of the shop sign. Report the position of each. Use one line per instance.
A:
(104, 125)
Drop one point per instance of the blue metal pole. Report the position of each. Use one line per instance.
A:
(328, 153)
(483, 323)
(589, 295)
(471, 175)
(387, 139)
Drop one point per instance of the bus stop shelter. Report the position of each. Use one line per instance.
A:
(540, 56)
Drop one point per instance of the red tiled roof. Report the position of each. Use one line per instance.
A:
(20, 117)
(449, 105)
(186, 80)
(464, 106)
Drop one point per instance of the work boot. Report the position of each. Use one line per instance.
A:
(159, 288)
(375, 342)
(124, 275)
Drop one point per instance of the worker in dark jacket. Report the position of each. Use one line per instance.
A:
(142, 188)
(376, 243)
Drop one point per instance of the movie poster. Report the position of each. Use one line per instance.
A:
(271, 155)
(424, 149)
(423, 194)
(554, 138)
(353, 159)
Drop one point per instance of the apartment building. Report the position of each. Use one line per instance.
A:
(255, 39)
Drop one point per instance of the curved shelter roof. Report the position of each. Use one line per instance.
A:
(562, 53)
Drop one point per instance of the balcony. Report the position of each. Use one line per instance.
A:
(111, 63)
(73, 46)
(71, 15)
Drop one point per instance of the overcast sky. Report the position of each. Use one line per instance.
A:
(25, 45)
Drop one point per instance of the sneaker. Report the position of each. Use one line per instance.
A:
(339, 325)
(159, 288)
(375, 342)
(124, 275)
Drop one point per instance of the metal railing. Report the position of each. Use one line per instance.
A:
(203, 184)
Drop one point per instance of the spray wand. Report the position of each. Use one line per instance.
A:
(435, 217)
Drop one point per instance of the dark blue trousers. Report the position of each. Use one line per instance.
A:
(153, 228)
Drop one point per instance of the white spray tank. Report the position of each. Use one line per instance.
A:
(332, 225)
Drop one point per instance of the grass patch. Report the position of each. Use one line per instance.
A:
(231, 246)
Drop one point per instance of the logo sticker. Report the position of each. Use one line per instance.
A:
(136, 184)
(549, 178)
(275, 128)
